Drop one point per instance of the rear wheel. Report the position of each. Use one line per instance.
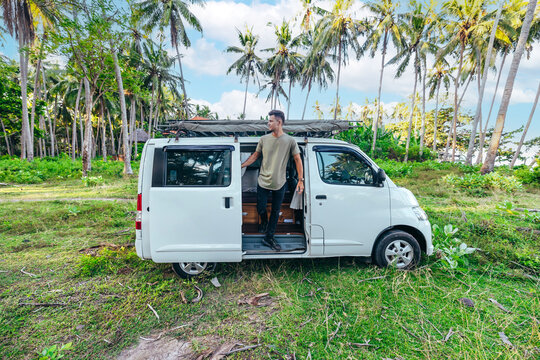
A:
(188, 270)
(398, 249)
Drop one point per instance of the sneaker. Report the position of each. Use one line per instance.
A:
(271, 243)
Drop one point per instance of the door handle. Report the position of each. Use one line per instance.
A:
(320, 197)
(227, 202)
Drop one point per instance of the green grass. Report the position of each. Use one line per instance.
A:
(320, 307)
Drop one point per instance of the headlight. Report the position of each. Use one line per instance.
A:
(420, 214)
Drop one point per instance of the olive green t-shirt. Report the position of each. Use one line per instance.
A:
(275, 155)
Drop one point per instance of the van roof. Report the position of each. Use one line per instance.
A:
(220, 140)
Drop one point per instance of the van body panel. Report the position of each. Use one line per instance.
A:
(198, 223)
(352, 216)
(402, 204)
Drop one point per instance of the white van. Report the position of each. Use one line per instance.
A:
(196, 206)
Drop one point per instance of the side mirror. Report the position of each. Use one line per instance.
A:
(381, 176)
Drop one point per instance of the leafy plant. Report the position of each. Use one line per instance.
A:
(54, 352)
(477, 182)
(448, 248)
(92, 180)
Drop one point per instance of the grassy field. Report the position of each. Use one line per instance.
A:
(68, 274)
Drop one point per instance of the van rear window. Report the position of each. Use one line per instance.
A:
(198, 168)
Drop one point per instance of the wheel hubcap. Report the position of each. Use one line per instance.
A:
(193, 268)
(399, 254)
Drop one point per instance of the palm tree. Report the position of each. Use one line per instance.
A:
(316, 68)
(440, 75)
(283, 58)
(20, 19)
(516, 154)
(414, 26)
(306, 14)
(339, 32)
(384, 24)
(489, 163)
(478, 114)
(171, 13)
(248, 61)
(465, 20)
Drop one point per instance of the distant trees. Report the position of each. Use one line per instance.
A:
(118, 80)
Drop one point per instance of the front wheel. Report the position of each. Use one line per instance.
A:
(188, 270)
(398, 249)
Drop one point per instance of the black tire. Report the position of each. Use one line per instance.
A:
(397, 248)
(189, 270)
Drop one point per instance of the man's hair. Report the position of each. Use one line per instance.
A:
(279, 114)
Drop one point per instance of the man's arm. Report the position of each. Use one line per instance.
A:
(300, 171)
(251, 159)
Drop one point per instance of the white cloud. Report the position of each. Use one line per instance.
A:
(205, 58)
(231, 103)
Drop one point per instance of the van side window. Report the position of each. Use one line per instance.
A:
(344, 168)
(198, 168)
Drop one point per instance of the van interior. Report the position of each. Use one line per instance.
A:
(290, 232)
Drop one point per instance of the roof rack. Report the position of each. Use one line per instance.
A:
(209, 128)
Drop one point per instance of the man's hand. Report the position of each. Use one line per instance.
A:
(300, 186)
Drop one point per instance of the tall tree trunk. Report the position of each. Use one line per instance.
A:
(456, 106)
(27, 149)
(5, 137)
(375, 124)
(186, 109)
(452, 128)
(289, 99)
(245, 94)
(436, 117)
(489, 163)
(483, 133)
(40, 141)
(478, 114)
(337, 88)
(103, 130)
(151, 117)
(516, 154)
(307, 96)
(126, 148)
(132, 113)
(74, 124)
(52, 127)
(35, 97)
(113, 148)
(423, 126)
(412, 110)
(87, 142)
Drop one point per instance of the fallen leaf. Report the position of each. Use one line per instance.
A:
(215, 282)
(505, 339)
(253, 301)
(499, 305)
(222, 351)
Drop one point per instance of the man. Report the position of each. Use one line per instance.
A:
(276, 149)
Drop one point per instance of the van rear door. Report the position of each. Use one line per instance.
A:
(195, 202)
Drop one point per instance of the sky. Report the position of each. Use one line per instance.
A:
(206, 63)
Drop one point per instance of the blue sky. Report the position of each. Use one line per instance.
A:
(205, 65)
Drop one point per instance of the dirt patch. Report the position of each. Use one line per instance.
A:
(166, 348)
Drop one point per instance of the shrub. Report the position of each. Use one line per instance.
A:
(528, 175)
(92, 180)
(479, 183)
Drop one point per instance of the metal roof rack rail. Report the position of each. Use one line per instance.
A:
(209, 128)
